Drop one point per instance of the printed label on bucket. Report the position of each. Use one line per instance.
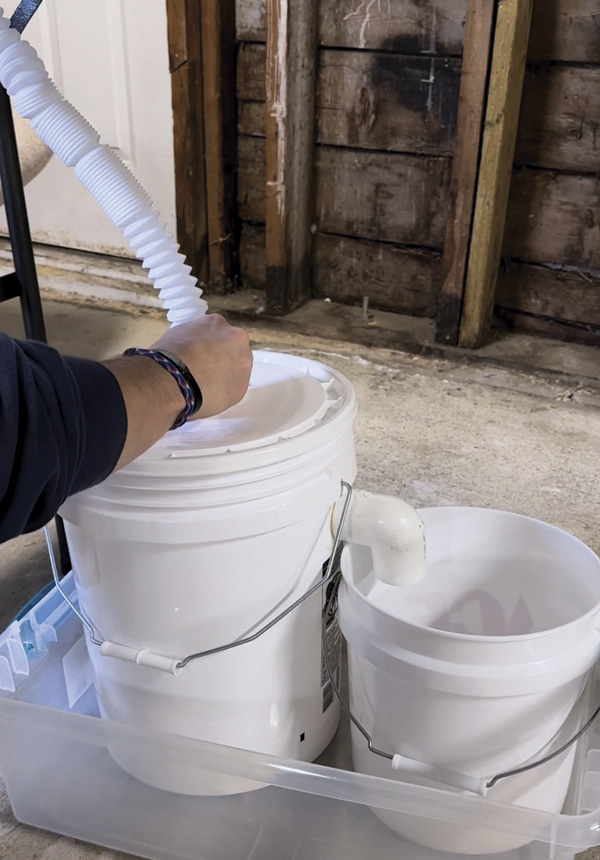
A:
(333, 640)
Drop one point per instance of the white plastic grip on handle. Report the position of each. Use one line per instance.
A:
(73, 140)
(391, 528)
(141, 658)
(472, 784)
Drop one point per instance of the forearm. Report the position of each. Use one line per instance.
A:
(153, 402)
(62, 429)
(67, 423)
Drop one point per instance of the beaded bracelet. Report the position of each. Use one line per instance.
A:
(182, 376)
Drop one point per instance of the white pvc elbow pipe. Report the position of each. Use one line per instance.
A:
(73, 140)
(391, 528)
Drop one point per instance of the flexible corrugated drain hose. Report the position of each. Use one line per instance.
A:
(73, 140)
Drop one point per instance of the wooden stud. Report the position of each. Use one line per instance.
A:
(185, 64)
(471, 107)
(502, 115)
(291, 58)
(220, 144)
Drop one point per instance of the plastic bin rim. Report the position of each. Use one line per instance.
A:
(320, 780)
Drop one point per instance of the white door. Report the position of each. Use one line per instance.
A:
(110, 59)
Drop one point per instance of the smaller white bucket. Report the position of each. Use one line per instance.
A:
(477, 669)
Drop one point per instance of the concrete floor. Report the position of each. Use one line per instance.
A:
(432, 430)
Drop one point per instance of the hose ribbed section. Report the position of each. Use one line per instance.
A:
(73, 140)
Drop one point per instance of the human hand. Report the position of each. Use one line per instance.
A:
(218, 356)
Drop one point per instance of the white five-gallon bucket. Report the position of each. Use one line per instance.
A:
(200, 542)
(477, 669)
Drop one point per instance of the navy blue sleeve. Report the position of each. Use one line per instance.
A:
(63, 425)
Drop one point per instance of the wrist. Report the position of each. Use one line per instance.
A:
(189, 390)
(146, 382)
(153, 402)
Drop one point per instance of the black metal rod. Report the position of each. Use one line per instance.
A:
(63, 546)
(23, 14)
(10, 288)
(22, 249)
(18, 224)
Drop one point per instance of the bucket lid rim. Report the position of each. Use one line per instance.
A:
(323, 396)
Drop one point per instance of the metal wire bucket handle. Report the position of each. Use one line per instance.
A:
(174, 666)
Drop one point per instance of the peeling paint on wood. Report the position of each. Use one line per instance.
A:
(276, 104)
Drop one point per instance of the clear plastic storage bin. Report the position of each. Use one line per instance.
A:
(55, 760)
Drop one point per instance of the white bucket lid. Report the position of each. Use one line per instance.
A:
(288, 397)
(272, 460)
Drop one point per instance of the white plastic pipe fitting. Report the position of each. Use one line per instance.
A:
(391, 528)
